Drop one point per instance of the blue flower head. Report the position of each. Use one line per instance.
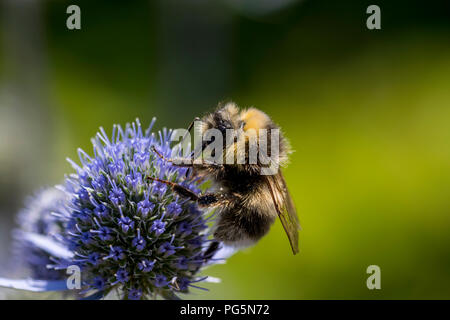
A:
(127, 233)
(38, 218)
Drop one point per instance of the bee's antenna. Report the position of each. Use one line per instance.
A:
(190, 128)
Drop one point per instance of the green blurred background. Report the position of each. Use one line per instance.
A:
(367, 112)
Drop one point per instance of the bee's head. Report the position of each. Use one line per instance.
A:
(228, 116)
(225, 117)
(229, 128)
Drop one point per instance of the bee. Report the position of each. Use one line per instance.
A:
(247, 202)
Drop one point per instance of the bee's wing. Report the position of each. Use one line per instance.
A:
(285, 208)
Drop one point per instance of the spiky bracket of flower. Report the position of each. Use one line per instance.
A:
(125, 231)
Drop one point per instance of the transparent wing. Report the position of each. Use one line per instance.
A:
(285, 208)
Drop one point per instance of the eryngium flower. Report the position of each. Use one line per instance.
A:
(37, 218)
(126, 231)
(127, 234)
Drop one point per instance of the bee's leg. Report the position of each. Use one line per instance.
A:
(188, 171)
(182, 191)
(211, 251)
(190, 127)
(187, 162)
(184, 162)
(213, 199)
(205, 200)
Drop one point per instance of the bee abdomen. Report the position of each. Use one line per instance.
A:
(242, 227)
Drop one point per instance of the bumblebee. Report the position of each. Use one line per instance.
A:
(247, 202)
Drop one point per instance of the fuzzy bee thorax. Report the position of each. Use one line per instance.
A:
(254, 119)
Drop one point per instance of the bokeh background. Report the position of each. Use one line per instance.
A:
(367, 112)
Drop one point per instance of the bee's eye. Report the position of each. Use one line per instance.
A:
(223, 126)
